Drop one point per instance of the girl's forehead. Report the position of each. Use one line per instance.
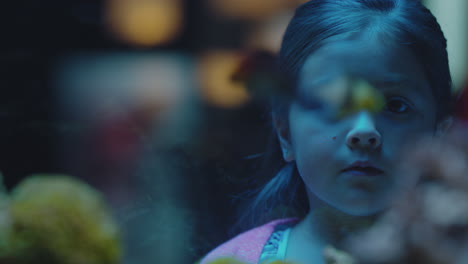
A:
(370, 59)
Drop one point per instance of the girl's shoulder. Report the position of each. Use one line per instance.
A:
(247, 246)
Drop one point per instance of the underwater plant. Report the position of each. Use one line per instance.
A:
(57, 219)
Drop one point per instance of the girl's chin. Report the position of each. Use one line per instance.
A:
(362, 209)
(365, 211)
(355, 204)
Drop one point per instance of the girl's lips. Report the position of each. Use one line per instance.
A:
(363, 168)
(363, 171)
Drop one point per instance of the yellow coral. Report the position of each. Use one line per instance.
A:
(362, 96)
(280, 262)
(366, 97)
(335, 256)
(61, 220)
(5, 220)
(226, 261)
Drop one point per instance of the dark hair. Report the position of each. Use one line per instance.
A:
(407, 22)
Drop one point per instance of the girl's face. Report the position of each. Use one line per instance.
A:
(349, 162)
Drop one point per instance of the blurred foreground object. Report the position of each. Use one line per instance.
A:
(258, 73)
(335, 256)
(57, 219)
(226, 261)
(343, 95)
(351, 95)
(430, 224)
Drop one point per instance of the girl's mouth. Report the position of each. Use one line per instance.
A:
(363, 169)
(366, 171)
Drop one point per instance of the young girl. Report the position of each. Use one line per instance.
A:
(343, 155)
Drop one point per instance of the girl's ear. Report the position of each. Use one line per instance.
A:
(282, 131)
(444, 126)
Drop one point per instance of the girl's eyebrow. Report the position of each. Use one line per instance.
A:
(390, 82)
(405, 86)
(390, 79)
(397, 80)
(402, 83)
(319, 81)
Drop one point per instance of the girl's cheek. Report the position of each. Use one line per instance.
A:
(407, 133)
(319, 150)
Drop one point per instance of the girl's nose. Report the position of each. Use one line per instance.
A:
(363, 133)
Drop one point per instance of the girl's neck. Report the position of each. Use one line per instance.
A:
(323, 226)
(320, 228)
(328, 226)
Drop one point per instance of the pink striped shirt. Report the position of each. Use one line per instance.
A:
(246, 247)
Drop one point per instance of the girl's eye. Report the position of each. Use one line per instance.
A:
(397, 105)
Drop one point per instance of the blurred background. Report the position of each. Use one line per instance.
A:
(135, 97)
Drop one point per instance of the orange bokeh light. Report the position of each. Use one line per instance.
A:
(268, 35)
(214, 73)
(249, 9)
(145, 22)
